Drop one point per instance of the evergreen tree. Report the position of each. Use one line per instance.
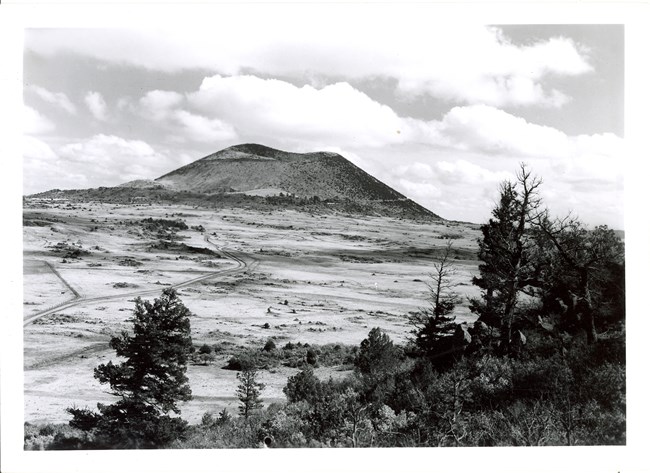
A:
(376, 363)
(584, 268)
(248, 392)
(303, 386)
(377, 355)
(505, 250)
(151, 381)
(433, 324)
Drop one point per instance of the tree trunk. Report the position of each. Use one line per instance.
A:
(508, 315)
(587, 309)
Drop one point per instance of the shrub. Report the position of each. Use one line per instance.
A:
(312, 357)
(205, 349)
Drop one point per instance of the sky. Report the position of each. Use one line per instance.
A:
(442, 114)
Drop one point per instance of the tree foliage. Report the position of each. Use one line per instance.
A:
(505, 250)
(434, 326)
(561, 388)
(377, 354)
(583, 270)
(150, 382)
(303, 386)
(249, 391)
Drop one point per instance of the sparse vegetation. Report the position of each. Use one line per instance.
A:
(543, 365)
(293, 355)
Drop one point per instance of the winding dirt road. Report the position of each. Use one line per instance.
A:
(241, 265)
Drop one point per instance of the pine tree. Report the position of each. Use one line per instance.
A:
(248, 392)
(151, 381)
(433, 324)
(505, 250)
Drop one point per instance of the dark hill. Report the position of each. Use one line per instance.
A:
(252, 167)
(257, 176)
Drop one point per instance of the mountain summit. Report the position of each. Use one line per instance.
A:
(255, 169)
(258, 177)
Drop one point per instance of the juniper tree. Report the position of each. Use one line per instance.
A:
(585, 267)
(376, 362)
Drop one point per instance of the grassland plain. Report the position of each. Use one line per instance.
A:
(246, 275)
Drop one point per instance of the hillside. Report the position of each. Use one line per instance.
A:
(250, 167)
(257, 176)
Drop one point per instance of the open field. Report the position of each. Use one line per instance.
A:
(318, 279)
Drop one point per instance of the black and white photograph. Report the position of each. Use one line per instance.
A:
(324, 228)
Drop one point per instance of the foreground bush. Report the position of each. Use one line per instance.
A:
(575, 396)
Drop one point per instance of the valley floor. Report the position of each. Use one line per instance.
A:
(247, 276)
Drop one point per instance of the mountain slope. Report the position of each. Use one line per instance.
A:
(250, 167)
(253, 176)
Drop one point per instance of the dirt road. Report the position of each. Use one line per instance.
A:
(242, 262)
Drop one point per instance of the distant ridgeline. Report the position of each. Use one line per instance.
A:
(259, 177)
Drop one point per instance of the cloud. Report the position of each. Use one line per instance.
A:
(465, 63)
(199, 128)
(483, 66)
(33, 148)
(166, 108)
(34, 123)
(495, 133)
(97, 105)
(488, 129)
(464, 172)
(457, 163)
(158, 104)
(109, 160)
(454, 188)
(43, 169)
(59, 99)
(459, 159)
(341, 114)
(336, 113)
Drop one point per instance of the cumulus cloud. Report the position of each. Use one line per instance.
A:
(454, 188)
(336, 113)
(199, 128)
(341, 114)
(34, 123)
(464, 172)
(97, 105)
(109, 160)
(159, 104)
(485, 128)
(457, 162)
(166, 108)
(43, 169)
(485, 67)
(59, 99)
(33, 148)
(493, 132)
(466, 63)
